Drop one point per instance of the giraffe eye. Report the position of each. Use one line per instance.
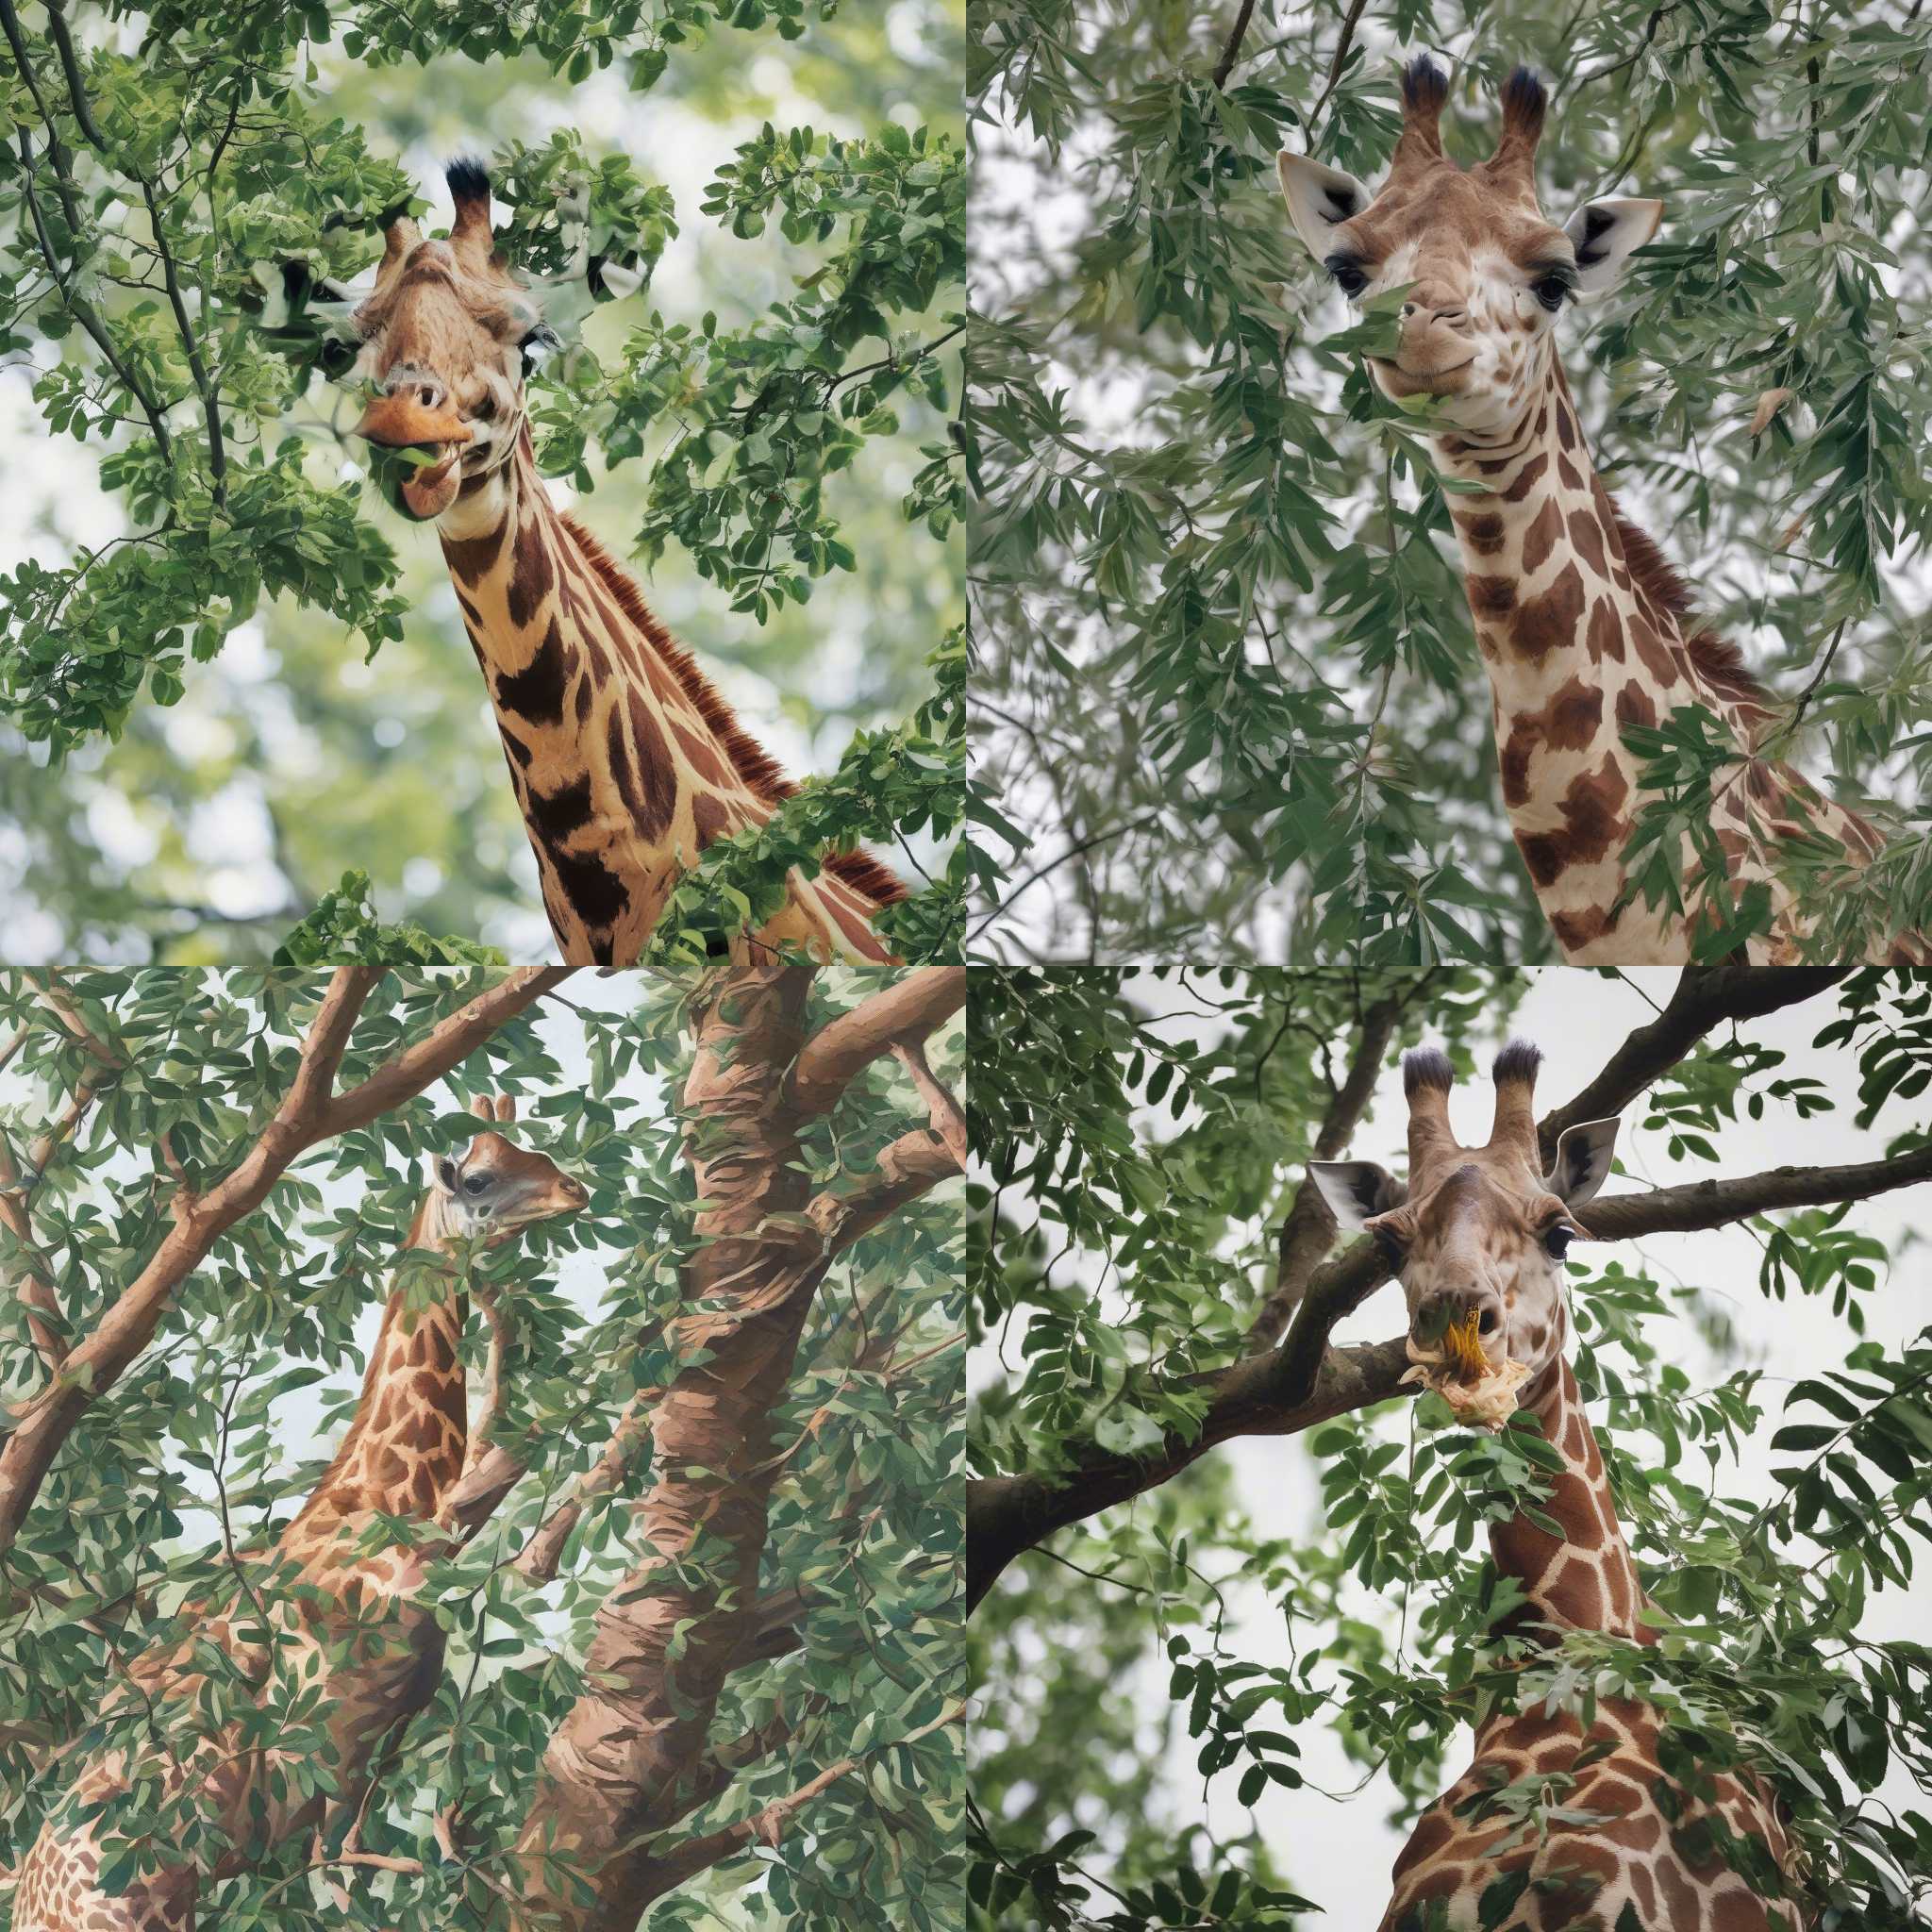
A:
(1552, 291)
(537, 346)
(1348, 275)
(476, 1183)
(1558, 1241)
(1389, 1243)
(337, 357)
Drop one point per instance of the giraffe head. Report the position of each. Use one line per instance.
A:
(444, 342)
(1487, 273)
(493, 1187)
(1477, 1235)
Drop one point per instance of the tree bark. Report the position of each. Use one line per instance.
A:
(629, 1759)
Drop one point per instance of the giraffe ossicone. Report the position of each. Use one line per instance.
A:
(348, 1624)
(625, 761)
(1584, 630)
(1478, 1236)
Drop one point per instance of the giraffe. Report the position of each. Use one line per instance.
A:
(333, 1580)
(1478, 1236)
(625, 761)
(1583, 627)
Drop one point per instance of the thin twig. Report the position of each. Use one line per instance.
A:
(1224, 66)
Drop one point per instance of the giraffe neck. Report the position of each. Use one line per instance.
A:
(1579, 642)
(406, 1443)
(1584, 1579)
(625, 764)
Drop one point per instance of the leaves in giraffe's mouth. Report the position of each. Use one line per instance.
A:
(1480, 1392)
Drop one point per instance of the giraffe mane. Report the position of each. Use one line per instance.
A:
(1716, 659)
(748, 758)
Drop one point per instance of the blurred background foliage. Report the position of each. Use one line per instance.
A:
(1227, 696)
(219, 816)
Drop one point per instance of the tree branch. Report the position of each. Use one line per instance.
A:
(1231, 49)
(540, 1556)
(1704, 997)
(1309, 1232)
(769, 1823)
(907, 1168)
(944, 1110)
(1009, 1514)
(907, 1010)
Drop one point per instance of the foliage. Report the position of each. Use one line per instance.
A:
(344, 927)
(1232, 695)
(178, 1476)
(907, 781)
(175, 155)
(1142, 1136)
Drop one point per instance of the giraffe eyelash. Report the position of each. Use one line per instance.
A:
(1553, 283)
(1349, 272)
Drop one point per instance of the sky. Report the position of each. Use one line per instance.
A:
(1339, 1853)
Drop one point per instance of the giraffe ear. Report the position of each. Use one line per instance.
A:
(440, 1170)
(1583, 1161)
(1604, 234)
(1318, 197)
(1356, 1190)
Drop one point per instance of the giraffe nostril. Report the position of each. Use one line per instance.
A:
(1488, 1322)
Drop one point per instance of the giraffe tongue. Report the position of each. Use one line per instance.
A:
(429, 492)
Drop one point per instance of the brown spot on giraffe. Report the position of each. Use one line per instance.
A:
(1548, 622)
(1541, 537)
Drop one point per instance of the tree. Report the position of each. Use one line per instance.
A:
(695, 1584)
(198, 750)
(1232, 703)
(1154, 1280)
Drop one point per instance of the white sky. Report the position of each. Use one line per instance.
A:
(1339, 1853)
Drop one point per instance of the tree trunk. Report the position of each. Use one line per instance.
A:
(623, 1763)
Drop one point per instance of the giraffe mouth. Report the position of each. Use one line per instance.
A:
(425, 493)
(1398, 382)
(1478, 1391)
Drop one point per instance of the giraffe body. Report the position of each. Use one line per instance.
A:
(625, 763)
(1583, 628)
(1481, 1233)
(335, 1579)
(1624, 1854)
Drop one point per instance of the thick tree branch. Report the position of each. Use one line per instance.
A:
(1008, 1514)
(908, 1167)
(307, 1115)
(770, 1823)
(905, 1011)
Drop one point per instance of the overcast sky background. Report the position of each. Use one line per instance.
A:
(1339, 1853)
